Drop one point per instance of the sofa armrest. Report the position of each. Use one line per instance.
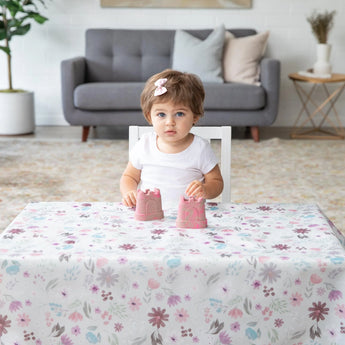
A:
(73, 73)
(270, 81)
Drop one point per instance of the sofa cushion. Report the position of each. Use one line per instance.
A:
(201, 57)
(108, 96)
(126, 96)
(234, 96)
(242, 56)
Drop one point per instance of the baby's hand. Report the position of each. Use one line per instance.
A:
(130, 198)
(196, 188)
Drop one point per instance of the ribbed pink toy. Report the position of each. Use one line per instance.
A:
(191, 213)
(149, 205)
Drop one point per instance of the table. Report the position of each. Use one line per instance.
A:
(88, 273)
(325, 108)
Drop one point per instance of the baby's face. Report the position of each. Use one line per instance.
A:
(172, 122)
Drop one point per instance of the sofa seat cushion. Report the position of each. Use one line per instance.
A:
(126, 96)
(234, 96)
(108, 96)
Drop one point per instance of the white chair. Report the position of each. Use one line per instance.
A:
(221, 132)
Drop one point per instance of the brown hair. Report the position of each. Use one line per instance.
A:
(182, 88)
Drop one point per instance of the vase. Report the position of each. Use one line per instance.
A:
(322, 64)
(17, 113)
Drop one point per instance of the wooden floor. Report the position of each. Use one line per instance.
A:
(113, 133)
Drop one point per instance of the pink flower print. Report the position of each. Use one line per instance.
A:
(235, 326)
(281, 246)
(101, 262)
(334, 295)
(128, 246)
(315, 279)
(318, 311)
(122, 260)
(4, 324)
(235, 313)
(321, 291)
(224, 338)
(94, 288)
(75, 330)
(49, 319)
(135, 285)
(158, 317)
(256, 284)
(23, 320)
(296, 299)
(187, 298)
(75, 317)
(15, 305)
(278, 323)
(65, 340)
(106, 317)
(134, 303)
(174, 300)
(153, 284)
(195, 340)
(159, 296)
(118, 327)
(340, 311)
(181, 315)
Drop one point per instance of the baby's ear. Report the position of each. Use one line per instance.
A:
(196, 119)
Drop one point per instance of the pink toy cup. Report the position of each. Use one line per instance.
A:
(149, 205)
(191, 213)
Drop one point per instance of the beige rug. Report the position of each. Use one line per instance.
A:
(270, 171)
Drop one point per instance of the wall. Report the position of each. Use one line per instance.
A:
(37, 56)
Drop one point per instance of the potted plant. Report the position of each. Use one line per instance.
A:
(321, 25)
(16, 105)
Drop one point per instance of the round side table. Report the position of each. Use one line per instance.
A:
(334, 128)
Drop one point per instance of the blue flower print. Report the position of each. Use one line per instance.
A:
(173, 263)
(12, 270)
(251, 334)
(92, 338)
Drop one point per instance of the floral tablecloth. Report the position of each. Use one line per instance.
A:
(88, 273)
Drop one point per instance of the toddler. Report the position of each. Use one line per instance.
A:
(171, 158)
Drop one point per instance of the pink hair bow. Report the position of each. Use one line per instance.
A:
(160, 89)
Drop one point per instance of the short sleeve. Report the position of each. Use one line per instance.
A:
(135, 155)
(208, 158)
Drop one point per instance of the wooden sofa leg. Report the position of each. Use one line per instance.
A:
(254, 131)
(86, 130)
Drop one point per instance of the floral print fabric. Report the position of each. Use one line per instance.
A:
(88, 273)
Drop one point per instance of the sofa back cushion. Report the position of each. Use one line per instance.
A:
(134, 55)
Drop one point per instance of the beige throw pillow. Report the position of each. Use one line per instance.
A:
(242, 56)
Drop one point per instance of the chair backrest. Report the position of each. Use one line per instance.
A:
(222, 133)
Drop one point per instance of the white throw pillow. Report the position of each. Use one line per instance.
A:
(242, 56)
(201, 57)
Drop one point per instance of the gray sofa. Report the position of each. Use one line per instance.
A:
(103, 88)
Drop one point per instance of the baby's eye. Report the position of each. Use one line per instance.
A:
(180, 114)
(161, 115)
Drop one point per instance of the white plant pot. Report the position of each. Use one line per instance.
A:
(17, 113)
(322, 64)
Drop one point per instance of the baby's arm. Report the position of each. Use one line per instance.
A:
(128, 185)
(210, 188)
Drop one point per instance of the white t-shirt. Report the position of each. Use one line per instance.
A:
(171, 172)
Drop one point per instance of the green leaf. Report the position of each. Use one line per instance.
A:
(6, 50)
(38, 18)
(21, 30)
